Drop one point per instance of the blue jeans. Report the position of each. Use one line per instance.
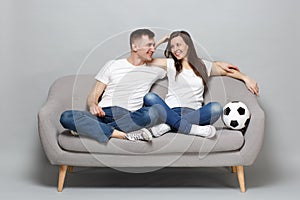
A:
(101, 128)
(181, 119)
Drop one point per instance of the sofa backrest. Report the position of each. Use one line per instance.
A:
(71, 91)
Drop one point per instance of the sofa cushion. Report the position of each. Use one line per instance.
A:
(225, 140)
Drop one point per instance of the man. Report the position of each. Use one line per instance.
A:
(122, 84)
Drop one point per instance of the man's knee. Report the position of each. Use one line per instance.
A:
(65, 117)
(68, 117)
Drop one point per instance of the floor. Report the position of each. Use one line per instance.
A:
(263, 180)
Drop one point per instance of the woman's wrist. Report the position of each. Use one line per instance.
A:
(245, 78)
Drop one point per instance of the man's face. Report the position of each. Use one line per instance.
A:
(144, 47)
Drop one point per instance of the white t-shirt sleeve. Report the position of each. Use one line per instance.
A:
(104, 73)
(208, 65)
(170, 64)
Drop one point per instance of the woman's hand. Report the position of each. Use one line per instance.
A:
(227, 67)
(251, 85)
(223, 68)
(97, 111)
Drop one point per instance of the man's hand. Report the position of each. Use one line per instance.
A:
(92, 100)
(162, 40)
(97, 111)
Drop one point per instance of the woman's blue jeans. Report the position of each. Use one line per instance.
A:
(101, 128)
(181, 119)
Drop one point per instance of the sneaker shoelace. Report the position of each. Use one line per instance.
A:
(135, 136)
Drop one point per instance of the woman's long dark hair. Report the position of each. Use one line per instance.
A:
(196, 63)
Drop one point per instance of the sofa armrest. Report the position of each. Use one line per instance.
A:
(49, 129)
(59, 99)
(68, 92)
(254, 135)
(226, 89)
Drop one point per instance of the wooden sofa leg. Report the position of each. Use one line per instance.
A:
(61, 177)
(241, 177)
(233, 169)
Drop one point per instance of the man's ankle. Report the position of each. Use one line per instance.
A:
(118, 134)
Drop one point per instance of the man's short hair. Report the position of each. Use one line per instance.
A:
(137, 34)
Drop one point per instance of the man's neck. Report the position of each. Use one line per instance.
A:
(135, 60)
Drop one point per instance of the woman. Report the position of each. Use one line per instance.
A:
(188, 77)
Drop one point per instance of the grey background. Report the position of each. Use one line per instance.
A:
(43, 40)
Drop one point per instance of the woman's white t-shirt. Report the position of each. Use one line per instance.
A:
(127, 84)
(185, 90)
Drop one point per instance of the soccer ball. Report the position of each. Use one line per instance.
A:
(236, 115)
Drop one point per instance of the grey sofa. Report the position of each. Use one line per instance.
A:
(229, 148)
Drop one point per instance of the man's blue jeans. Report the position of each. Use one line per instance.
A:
(101, 128)
(181, 119)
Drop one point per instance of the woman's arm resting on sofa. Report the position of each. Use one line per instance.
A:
(226, 69)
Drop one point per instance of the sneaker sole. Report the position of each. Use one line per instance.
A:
(213, 131)
(74, 133)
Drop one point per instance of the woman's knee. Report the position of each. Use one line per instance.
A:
(216, 108)
(151, 99)
(149, 117)
(154, 113)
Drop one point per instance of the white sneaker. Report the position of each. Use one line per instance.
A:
(142, 134)
(207, 131)
(160, 129)
(74, 133)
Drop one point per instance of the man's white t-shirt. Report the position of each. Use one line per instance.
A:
(127, 84)
(186, 90)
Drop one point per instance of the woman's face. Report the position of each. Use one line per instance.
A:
(179, 48)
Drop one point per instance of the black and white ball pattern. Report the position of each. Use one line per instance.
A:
(236, 115)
